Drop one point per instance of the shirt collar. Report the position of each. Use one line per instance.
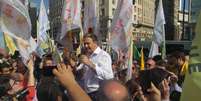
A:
(97, 51)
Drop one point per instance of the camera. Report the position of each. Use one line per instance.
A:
(47, 70)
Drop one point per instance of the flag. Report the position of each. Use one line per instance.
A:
(2, 42)
(136, 53)
(129, 62)
(192, 82)
(15, 20)
(121, 26)
(121, 33)
(184, 68)
(91, 19)
(142, 59)
(10, 44)
(71, 16)
(154, 49)
(26, 48)
(159, 32)
(42, 36)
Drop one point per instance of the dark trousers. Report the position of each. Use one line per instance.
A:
(94, 95)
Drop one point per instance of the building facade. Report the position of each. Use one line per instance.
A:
(195, 11)
(106, 12)
(171, 12)
(184, 19)
(55, 13)
(144, 15)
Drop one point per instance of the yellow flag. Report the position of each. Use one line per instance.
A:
(184, 68)
(10, 44)
(142, 59)
(191, 90)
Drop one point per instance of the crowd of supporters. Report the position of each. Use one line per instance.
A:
(90, 76)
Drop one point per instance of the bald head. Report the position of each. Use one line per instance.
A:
(113, 91)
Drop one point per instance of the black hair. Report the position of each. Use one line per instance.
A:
(4, 64)
(92, 36)
(4, 85)
(157, 58)
(48, 90)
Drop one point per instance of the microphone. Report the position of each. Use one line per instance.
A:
(22, 93)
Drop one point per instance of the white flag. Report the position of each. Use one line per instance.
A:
(71, 18)
(43, 24)
(159, 32)
(121, 33)
(15, 19)
(121, 26)
(154, 49)
(91, 16)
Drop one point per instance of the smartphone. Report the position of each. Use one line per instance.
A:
(47, 70)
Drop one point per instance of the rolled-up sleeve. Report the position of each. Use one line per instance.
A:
(104, 68)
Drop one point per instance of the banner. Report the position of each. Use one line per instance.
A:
(121, 26)
(43, 24)
(2, 42)
(154, 50)
(91, 19)
(10, 44)
(159, 33)
(121, 33)
(15, 20)
(71, 18)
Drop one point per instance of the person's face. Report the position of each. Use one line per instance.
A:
(72, 62)
(89, 45)
(180, 62)
(5, 70)
(15, 87)
(48, 63)
(150, 64)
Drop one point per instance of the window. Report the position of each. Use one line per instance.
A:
(103, 12)
(113, 11)
(135, 18)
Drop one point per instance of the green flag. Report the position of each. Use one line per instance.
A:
(192, 83)
(136, 53)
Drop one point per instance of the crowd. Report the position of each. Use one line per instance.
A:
(90, 76)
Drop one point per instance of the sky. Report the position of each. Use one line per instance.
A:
(37, 3)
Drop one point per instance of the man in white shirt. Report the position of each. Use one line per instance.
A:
(97, 64)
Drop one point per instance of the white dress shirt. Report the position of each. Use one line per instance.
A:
(103, 70)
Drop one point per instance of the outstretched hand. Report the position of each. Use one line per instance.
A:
(154, 93)
(64, 74)
(30, 64)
